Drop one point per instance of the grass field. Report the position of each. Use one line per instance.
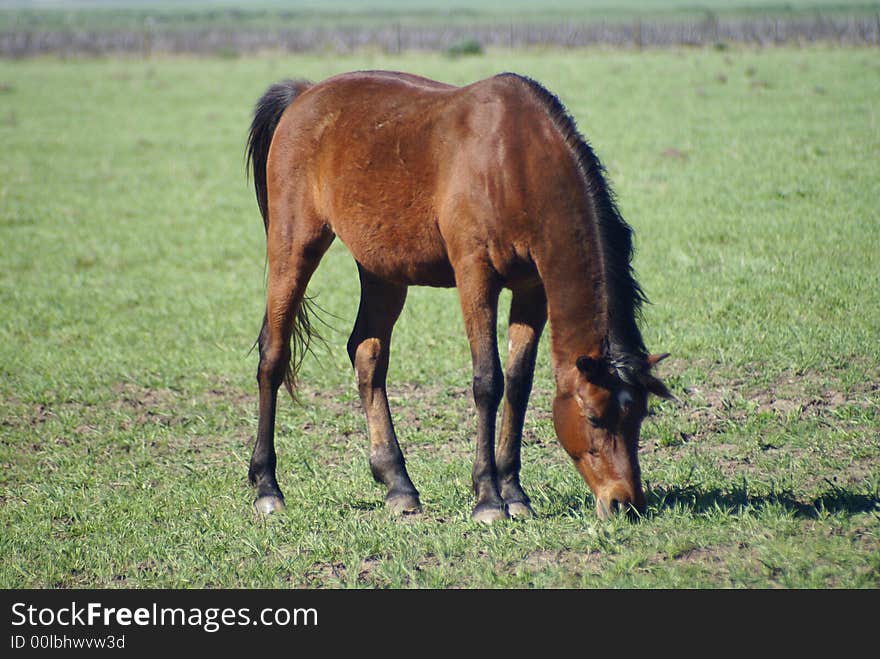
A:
(189, 14)
(131, 289)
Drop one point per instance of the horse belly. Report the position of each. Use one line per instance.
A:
(404, 252)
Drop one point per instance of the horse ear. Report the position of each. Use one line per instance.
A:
(589, 367)
(653, 360)
(655, 386)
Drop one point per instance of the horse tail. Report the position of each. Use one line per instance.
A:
(267, 114)
(303, 335)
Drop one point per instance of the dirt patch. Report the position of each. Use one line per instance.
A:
(574, 563)
(336, 401)
(674, 154)
(333, 574)
(146, 406)
(324, 574)
(698, 555)
(21, 416)
(135, 397)
(231, 395)
(415, 409)
(168, 423)
(746, 423)
(714, 560)
(718, 402)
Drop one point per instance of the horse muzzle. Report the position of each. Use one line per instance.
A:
(620, 500)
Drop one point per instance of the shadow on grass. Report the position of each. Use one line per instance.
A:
(361, 504)
(836, 500)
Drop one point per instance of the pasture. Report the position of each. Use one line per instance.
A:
(131, 292)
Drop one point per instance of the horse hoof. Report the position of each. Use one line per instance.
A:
(488, 513)
(520, 510)
(403, 504)
(268, 504)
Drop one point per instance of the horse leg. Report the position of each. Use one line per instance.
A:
(528, 314)
(368, 349)
(478, 294)
(291, 261)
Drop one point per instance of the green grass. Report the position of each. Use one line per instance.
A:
(191, 14)
(131, 289)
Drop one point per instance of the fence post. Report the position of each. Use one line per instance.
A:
(148, 36)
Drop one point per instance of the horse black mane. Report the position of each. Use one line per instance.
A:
(625, 349)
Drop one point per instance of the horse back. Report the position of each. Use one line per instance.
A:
(414, 175)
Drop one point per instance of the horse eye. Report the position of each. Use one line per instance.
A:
(593, 421)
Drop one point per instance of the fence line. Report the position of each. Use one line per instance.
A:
(852, 30)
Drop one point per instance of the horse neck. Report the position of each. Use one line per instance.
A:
(577, 304)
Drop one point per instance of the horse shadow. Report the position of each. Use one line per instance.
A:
(737, 498)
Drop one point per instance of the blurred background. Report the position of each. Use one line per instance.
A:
(742, 141)
(345, 26)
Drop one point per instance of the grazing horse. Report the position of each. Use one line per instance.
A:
(479, 187)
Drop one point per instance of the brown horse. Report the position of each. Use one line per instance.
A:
(478, 187)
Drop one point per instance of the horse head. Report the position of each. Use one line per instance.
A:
(598, 417)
